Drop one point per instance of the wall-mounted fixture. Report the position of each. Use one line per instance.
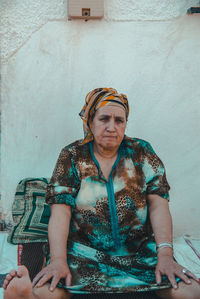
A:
(85, 9)
(193, 10)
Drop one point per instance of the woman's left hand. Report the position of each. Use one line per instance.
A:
(168, 266)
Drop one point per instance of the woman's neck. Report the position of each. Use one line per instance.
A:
(106, 153)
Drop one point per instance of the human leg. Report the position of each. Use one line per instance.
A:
(184, 291)
(18, 285)
(44, 293)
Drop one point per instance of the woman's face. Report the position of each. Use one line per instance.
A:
(108, 126)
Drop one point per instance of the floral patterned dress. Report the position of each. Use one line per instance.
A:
(110, 246)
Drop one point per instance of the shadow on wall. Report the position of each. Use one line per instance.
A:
(2, 222)
(4, 226)
(2, 216)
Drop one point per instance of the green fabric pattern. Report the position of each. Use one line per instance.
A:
(30, 212)
(110, 246)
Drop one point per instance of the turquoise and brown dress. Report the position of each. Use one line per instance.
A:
(110, 245)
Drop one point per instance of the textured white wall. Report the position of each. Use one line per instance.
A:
(132, 10)
(19, 19)
(49, 64)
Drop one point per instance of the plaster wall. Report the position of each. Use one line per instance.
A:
(21, 18)
(49, 64)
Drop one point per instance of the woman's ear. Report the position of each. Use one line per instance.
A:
(90, 125)
(126, 125)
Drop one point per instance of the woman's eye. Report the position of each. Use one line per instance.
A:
(119, 120)
(103, 119)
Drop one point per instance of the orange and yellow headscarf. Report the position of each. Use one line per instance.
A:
(95, 99)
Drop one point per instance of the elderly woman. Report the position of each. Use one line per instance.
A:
(109, 204)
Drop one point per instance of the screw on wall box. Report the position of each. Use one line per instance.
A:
(85, 9)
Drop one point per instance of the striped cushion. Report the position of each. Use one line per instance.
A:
(30, 212)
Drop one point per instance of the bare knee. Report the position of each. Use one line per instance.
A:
(44, 293)
(184, 291)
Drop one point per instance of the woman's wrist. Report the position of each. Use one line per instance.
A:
(58, 258)
(163, 245)
(164, 248)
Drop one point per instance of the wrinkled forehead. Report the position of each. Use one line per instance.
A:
(111, 109)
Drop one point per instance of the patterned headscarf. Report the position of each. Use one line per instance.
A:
(95, 99)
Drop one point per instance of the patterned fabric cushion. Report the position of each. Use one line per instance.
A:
(30, 212)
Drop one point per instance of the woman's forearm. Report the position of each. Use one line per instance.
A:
(58, 230)
(162, 227)
(161, 220)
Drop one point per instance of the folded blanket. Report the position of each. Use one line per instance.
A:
(186, 255)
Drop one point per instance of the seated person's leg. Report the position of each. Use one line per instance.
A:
(184, 291)
(18, 285)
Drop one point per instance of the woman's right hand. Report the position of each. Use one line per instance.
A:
(57, 269)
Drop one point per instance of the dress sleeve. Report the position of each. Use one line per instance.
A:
(155, 175)
(64, 184)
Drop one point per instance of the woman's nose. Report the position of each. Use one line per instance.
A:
(111, 125)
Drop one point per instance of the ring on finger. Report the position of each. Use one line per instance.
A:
(184, 271)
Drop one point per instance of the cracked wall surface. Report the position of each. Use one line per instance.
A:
(19, 19)
(129, 10)
(50, 63)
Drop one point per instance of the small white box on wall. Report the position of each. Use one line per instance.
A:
(85, 9)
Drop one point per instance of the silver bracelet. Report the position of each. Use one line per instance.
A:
(163, 245)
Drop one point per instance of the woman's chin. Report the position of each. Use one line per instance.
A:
(110, 145)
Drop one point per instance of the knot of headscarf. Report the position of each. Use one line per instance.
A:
(95, 99)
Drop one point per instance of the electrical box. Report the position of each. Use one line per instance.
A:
(85, 9)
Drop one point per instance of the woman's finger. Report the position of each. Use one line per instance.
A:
(158, 277)
(37, 278)
(183, 277)
(172, 279)
(54, 282)
(68, 280)
(190, 274)
(43, 280)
